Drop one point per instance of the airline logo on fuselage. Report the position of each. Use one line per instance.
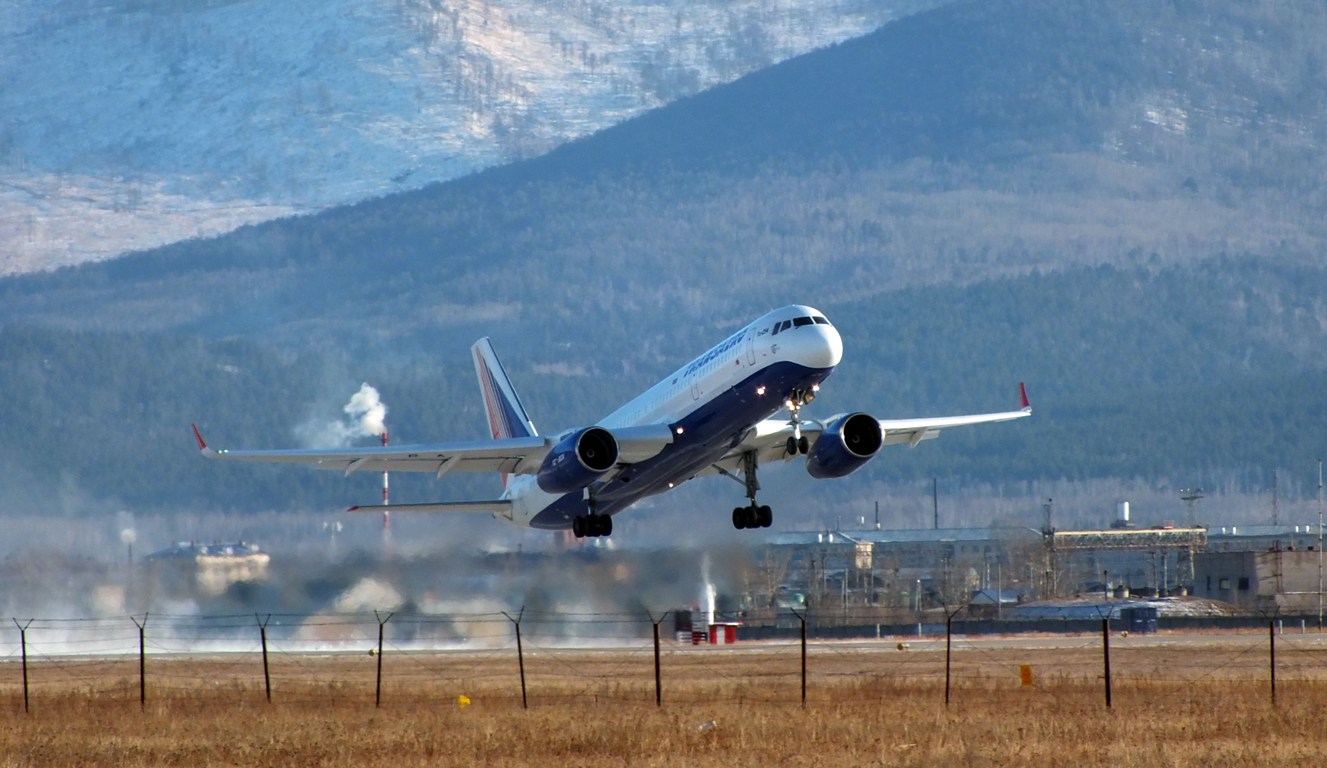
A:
(706, 358)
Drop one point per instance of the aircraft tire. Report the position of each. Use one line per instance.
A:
(803, 445)
(739, 517)
(793, 446)
(764, 517)
(605, 525)
(578, 526)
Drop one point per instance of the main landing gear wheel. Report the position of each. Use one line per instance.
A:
(592, 525)
(752, 517)
(798, 445)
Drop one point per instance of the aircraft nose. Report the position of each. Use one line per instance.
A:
(818, 346)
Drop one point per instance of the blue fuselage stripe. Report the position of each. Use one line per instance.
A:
(706, 435)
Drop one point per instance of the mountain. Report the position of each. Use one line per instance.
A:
(835, 172)
(1116, 202)
(132, 123)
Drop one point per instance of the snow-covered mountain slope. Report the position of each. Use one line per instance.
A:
(130, 123)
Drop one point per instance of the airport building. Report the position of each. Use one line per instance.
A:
(918, 569)
(208, 569)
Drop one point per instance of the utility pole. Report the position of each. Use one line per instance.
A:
(1276, 483)
(1048, 540)
(1319, 545)
(935, 502)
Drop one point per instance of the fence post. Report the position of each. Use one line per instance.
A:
(262, 631)
(801, 616)
(377, 699)
(1271, 648)
(142, 660)
(520, 653)
(658, 679)
(949, 640)
(1105, 653)
(23, 640)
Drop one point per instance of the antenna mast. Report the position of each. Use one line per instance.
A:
(386, 495)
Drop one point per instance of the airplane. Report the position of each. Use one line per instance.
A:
(713, 416)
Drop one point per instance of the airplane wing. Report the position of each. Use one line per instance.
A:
(519, 455)
(769, 438)
(513, 455)
(913, 431)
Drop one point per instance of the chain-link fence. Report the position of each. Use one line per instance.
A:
(531, 659)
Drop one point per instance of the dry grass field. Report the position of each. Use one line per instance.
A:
(1174, 704)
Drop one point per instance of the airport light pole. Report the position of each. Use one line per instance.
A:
(1319, 545)
(1191, 496)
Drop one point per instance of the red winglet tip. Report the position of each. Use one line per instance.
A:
(1023, 395)
(202, 444)
(355, 508)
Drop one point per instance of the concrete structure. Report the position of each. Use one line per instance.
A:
(1276, 581)
(1261, 538)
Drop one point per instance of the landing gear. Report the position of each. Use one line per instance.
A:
(798, 443)
(592, 523)
(752, 515)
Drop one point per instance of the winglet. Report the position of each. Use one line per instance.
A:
(1023, 397)
(202, 444)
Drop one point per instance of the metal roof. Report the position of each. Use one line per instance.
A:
(905, 536)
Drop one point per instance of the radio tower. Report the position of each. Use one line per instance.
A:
(386, 497)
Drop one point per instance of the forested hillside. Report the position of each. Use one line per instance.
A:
(1122, 387)
(1118, 203)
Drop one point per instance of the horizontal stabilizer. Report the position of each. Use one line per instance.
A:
(496, 507)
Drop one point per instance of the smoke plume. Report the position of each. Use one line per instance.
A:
(365, 415)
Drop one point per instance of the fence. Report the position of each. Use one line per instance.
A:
(528, 658)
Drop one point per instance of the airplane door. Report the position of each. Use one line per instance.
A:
(751, 349)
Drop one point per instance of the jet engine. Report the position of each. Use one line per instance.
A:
(577, 460)
(848, 442)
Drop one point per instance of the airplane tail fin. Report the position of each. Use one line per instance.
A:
(506, 415)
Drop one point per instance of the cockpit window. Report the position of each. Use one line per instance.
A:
(819, 320)
(801, 321)
(783, 326)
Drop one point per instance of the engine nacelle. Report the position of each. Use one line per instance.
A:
(848, 442)
(578, 460)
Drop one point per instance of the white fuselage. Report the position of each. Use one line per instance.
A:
(707, 404)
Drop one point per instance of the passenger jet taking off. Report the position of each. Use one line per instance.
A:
(711, 416)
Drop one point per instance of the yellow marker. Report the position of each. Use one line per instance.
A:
(463, 701)
(1025, 674)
